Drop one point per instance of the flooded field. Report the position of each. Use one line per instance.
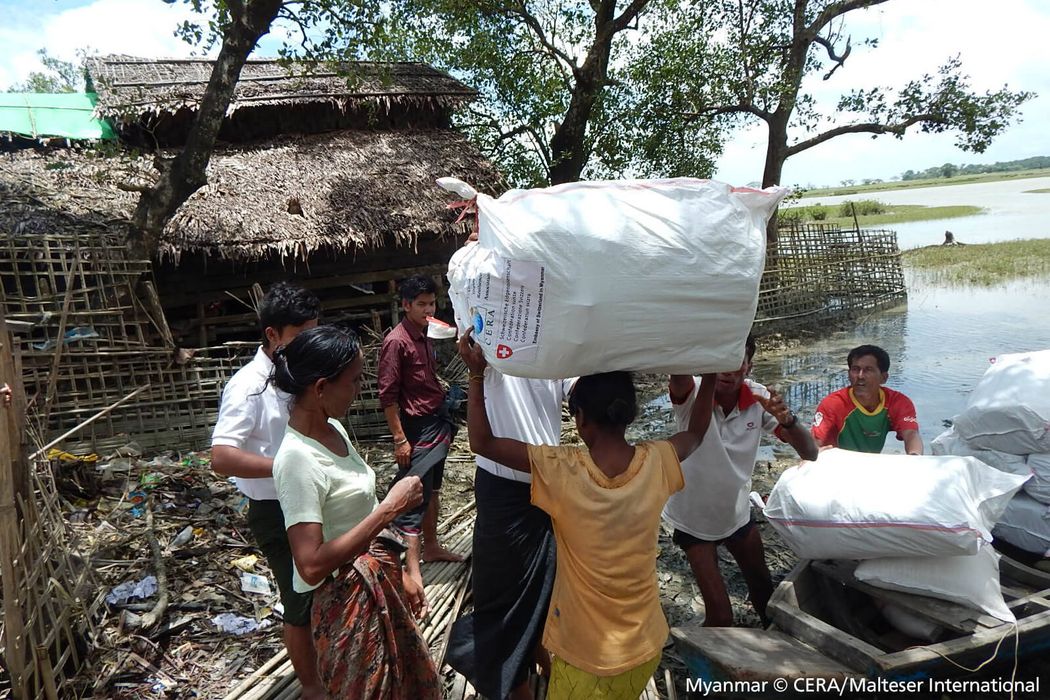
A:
(1011, 211)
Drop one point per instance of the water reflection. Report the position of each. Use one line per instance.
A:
(939, 346)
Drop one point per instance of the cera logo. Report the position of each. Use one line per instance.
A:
(479, 323)
(503, 352)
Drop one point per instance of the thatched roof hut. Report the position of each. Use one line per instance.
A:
(339, 191)
(155, 99)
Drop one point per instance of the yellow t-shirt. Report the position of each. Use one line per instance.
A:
(605, 615)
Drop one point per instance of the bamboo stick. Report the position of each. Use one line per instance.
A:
(47, 673)
(43, 450)
(273, 662)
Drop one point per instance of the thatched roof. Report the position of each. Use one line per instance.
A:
(128, 86)
(354, 189)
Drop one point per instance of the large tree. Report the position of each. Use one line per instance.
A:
(741, 60)
(544, 69)
(326, 28)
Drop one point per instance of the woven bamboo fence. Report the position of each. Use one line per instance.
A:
(93, 331)
(818, 275)
(50, 594)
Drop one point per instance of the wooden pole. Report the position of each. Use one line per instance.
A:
(10, 533)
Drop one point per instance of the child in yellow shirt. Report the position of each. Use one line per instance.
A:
(605, 626)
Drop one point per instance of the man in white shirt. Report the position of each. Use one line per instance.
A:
(252, 419)
(713, 507)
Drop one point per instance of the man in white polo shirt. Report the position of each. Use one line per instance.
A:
(713, 508)
(252, 419)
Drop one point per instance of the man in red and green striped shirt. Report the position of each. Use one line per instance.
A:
(860, 416)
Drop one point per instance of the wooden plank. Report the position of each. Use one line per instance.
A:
(789, 616)
(1013, 569)
(739, 653)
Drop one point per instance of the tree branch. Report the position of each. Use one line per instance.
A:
(742, 108)
(838, 9)
(534, 24)
(865, 128)
(839, 60)
(628, 15)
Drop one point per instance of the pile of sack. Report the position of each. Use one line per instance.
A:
(918, 524)
(1006, 424)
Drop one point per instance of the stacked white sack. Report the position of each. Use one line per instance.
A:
(1039, 485)
(852, 505)
(971, 581)
(1009, 409)
(657, 275)
(1026, 525)
(950, 443)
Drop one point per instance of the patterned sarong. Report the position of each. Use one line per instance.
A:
(368, 645)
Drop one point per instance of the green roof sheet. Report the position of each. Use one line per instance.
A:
(40, 114)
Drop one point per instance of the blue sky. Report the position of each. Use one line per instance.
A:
(1000, 42)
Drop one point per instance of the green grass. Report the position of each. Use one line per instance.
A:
(982, 265)
(1045, 190)
(934, 182)
(901, 213)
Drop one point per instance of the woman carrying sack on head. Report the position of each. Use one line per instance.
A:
(368, 645)
(605, 626)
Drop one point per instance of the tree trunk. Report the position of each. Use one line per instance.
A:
(776, 154)
(181, 176)
(569, 150)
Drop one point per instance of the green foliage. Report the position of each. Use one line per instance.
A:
(727, 62)
(980, 265)
(863, 207)
(817, 212)
(57, 76)
(529, 60)
(1009, 166)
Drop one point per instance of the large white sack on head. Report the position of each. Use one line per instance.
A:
(950, 443)
(853, 505)
(1009, 409)
(972, 581)
(1025, 524)
(1038, 487)
(587, 277)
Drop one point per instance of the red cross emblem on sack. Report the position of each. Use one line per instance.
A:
(503, 352)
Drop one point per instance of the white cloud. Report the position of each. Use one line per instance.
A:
(999, 43)
(135, 27)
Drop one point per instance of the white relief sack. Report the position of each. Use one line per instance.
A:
(854, 505)
(587, 277)
(1009, 409)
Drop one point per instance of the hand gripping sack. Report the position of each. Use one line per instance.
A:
(1009, 409)
(587, 277)
(852, 505)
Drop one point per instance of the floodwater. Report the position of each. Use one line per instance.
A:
(1010, 211)
(939, 344)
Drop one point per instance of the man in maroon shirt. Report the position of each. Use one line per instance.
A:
(413, 402)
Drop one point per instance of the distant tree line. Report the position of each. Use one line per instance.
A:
(951, 170)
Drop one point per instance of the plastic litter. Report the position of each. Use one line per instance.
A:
(238, 624)
(255, 583)
(145, 588)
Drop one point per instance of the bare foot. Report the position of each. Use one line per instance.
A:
(439, 553)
